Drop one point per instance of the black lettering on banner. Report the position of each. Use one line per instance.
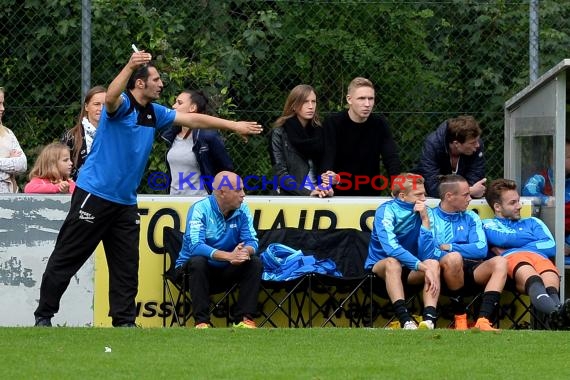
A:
(279, 221)
(324, 214)
(256, 216)
(364, 218)
(149, 309)
(155, 309)
(159, 250)
(165, 310)
(302, 220)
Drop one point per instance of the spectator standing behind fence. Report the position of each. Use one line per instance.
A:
(401, 250)
(461, 247)
(541, 185)
(455, 147)
(355, 142)
(218, 250)
(104, 204)
(195, 156)
(12, 158)
(528, 246)
(297, 146)
(79, 139)
(51, 172)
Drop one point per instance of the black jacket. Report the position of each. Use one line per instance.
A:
(435, 161)
(209, 149)
(290, 168)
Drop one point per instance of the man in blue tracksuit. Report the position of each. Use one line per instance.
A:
(219, 249)
(104, 205)
(529, 247)
(461, 247)
(401, 249)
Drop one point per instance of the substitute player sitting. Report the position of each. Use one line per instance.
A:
(528, 246)
(401, 249)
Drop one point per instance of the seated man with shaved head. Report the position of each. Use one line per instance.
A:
(219, 249)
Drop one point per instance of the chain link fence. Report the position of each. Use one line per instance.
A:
(429, 60)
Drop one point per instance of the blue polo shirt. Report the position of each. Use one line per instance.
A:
(120, 151)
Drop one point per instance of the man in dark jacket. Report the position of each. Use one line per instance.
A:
(455, 147)
(355, 141)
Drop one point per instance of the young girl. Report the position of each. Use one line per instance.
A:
(51, 172)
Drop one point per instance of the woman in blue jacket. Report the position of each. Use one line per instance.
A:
(195, 156)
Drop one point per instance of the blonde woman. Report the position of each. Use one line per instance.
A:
(51, 172)
(12, 158)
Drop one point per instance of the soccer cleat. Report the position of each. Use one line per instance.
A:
(43, 322)
(461, 322)
(556, 321)
(246, 324)
(202, 325)
(426, 325)
(484, 324)
(410, 325)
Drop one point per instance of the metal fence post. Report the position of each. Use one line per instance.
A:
(533, 39)
(85, 47)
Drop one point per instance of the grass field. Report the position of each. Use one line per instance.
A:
(323, 353)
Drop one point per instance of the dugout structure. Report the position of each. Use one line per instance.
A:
(536, 128)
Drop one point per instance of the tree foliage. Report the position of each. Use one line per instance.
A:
(428, 60)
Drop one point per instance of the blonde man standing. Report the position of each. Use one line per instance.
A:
(356, 141)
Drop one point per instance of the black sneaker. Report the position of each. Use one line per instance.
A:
(127, 324)
(555, 320)
(43, 322)
(565, 312)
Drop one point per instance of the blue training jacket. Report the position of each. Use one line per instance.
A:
(398, 232)
(528, 234)
(208, 231)
(463, 230)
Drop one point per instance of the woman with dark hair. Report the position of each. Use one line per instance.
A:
(297, 145)
(80, 137)
(195, 156)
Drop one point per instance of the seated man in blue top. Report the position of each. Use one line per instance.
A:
(219, 249)
(401, 249)
(104, 205)
(461, 247)
(528, 247)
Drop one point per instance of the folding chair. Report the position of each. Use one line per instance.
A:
(384, 308)
(172, 242)
(519, 310)
(283, 298)
(346, 296)
(286, 299)
(220, 307)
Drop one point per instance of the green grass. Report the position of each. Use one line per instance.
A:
(322, 353)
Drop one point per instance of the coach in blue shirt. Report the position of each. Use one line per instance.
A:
(104, 205)
(219, 249)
